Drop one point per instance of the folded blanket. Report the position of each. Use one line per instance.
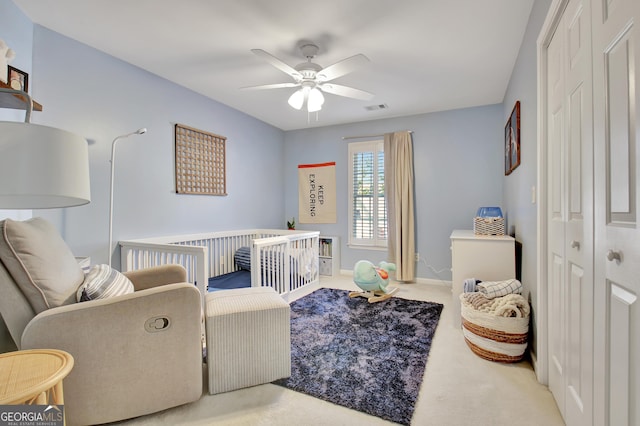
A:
(469, 285)
(492, 289)
(478, 300)
(511, 305)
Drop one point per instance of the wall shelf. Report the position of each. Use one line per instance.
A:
(329, 251)
(15, 101)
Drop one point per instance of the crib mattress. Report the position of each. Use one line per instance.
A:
(237, 279)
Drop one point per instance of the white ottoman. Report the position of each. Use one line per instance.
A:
(248, 338)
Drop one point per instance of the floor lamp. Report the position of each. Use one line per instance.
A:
(113, 163)
(41, 167)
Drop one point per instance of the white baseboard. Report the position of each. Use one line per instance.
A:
(536, 368)
(432, 281)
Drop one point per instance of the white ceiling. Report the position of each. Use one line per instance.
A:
(426, 55)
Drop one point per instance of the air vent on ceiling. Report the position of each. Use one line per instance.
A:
(376, 107)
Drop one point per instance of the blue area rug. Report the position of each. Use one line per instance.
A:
(365, 356)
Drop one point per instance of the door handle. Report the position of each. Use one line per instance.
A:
(575, 244)
(614, 255)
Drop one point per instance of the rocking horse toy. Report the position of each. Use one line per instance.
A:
(374, 280)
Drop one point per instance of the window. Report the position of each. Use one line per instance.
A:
(367, 205)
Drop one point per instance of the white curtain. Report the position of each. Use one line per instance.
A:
(398, 175)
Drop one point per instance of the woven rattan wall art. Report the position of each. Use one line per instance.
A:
(200, 162)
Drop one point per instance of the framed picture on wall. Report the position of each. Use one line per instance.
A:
(512, 141)
(18, 80)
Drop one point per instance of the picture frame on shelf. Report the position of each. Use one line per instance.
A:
(18, 79)
(512, 141)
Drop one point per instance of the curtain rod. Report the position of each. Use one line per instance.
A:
(367, 136)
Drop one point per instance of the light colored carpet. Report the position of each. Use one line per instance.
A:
(458, 389)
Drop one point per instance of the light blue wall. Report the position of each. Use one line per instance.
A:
(99, 97)
(16, 30)
(457, 166)
(521, 212)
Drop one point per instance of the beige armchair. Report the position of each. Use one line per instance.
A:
(134, 354)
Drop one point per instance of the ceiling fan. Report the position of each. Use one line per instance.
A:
(312, 79)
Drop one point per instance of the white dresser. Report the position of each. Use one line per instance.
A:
(484, 257)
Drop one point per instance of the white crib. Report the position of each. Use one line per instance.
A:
(212, 254)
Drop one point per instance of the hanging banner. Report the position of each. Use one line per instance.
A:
(317, 193)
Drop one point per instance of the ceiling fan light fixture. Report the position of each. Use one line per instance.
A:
(297, 99)
(315, 100)
(312, 78)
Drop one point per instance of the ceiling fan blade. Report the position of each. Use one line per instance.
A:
(348, 92)
(343, 67)
(271, 86)
(277, 63)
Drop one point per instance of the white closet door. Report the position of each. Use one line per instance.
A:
(570, 215)
(556, 218)
(579, 235)
(617, 244)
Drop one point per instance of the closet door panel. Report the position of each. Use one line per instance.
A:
(557, 337)
(622, 307)
(621, 141)
(576, 109)
(617, 251)
(580, 342)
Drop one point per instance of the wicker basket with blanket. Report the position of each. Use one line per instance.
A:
(495, 329)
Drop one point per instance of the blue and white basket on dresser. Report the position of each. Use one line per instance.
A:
(488, 221)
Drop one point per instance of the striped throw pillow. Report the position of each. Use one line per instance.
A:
(102, 282)
(242, 258)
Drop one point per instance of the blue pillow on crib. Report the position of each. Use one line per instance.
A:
(242, 257)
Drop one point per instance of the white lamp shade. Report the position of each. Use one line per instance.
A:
(315, 100)
(42, 167)
(297, 99)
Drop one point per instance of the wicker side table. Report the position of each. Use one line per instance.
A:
(33, 376)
